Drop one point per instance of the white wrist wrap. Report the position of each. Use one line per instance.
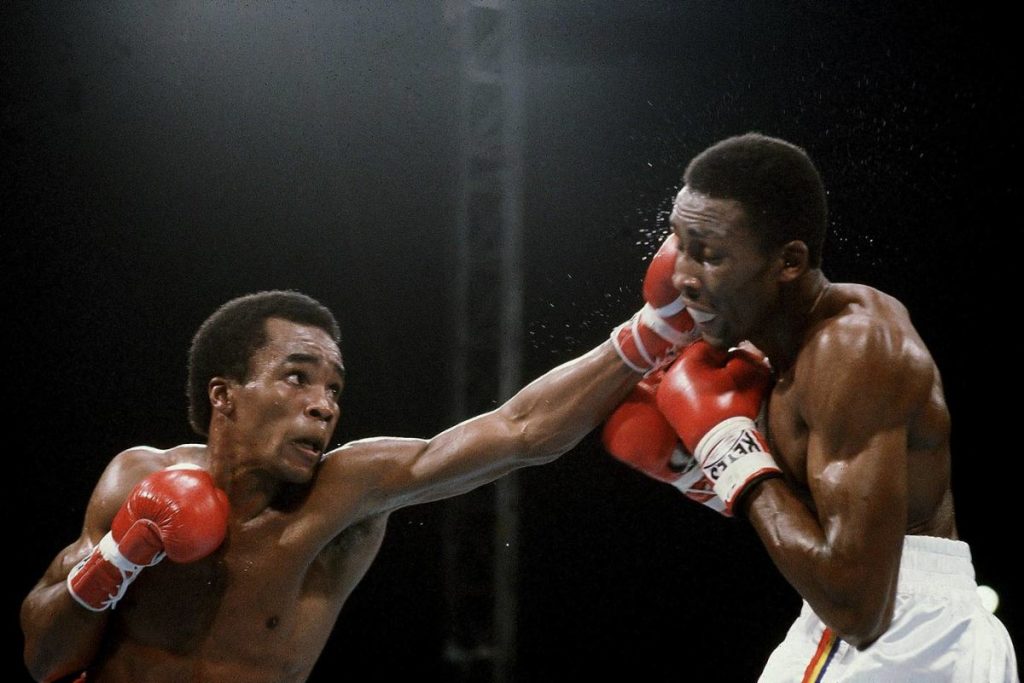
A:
(651, 317)
(732, 455)
(107, 548)
(671, 308)
(616, 338)
(628, 338)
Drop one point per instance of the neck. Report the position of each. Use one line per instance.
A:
(799, 304)
(250, 489)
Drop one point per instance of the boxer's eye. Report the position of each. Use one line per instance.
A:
(710, 257)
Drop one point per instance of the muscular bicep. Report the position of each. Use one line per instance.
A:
(859, 488)
(459, 459)
(857, 408)
(374, 476)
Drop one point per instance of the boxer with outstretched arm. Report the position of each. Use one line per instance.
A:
(250, 587)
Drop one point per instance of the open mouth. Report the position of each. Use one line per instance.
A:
(314, 448)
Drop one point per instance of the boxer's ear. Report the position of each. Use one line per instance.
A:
(221, 393)
(793, 259)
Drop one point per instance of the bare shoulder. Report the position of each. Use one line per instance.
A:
(128, 468)
(133, 464)
(859, 325)
(357, 480)
(863, 351)
(371, 459)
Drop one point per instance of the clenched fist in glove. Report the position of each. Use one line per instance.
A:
(711, 398)
(639, 435)
(177, 512)
(651, 338)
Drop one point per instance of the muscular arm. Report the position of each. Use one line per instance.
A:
(860, 383)
(544, 420)
(62, 637)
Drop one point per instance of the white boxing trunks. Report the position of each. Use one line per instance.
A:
(940, 631)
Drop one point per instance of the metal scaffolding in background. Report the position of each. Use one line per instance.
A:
(480, 577)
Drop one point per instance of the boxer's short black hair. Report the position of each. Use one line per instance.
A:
(779, 187)
(227, 339)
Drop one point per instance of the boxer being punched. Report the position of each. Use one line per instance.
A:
(848, 487)
(230, 561)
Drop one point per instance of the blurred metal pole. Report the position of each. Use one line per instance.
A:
(487, 368)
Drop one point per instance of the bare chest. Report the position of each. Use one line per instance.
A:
(267, 599)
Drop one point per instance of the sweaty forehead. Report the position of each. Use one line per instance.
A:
(697, 213)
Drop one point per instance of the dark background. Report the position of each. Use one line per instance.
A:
(160, 158)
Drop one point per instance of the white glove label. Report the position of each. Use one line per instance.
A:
(733, 454)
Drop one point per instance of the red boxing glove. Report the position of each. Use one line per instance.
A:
(637, 434)
(177, 512)
(651, 338)
(711, 398)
